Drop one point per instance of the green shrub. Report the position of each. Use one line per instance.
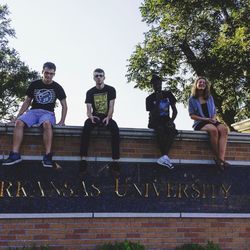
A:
(210, 246)
(126, 245)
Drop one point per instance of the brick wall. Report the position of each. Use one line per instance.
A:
(155, 233)
(135, 143)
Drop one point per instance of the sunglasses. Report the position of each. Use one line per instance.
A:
(101, 75)
(49, 73)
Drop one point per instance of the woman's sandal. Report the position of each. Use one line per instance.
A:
(226, 164)
(219, 164)
(222, 165)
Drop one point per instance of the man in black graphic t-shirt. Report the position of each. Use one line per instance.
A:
(100, 101)
(42, 95)
(158, 104)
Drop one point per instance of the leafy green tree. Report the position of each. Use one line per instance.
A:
(14, 74)
(189, 38)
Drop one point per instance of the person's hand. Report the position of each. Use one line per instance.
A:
(171, 124)
(60, 124)
(171, 120)
(211, 120)
(105, 121)
(94, 119)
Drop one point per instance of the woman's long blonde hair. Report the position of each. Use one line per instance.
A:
(194, 91)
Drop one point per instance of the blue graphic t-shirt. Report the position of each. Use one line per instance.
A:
(159, 107)
(164, 107)
(44, 95)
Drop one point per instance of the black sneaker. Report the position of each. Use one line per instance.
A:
(47, 161)
(83, 168)
(115, 168)
(12, 159)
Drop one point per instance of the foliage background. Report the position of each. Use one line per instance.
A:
(14, 74)
(190, 38)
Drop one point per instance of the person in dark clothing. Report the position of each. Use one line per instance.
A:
(100, 101)
(158, 104)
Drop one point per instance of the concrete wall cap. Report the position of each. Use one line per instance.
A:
(133, 133)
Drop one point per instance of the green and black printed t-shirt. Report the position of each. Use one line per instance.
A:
(100, 98)
(44, 95)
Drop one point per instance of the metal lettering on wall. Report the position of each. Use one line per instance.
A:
(135, 187)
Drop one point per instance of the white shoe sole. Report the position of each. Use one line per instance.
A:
(11, 163)
(165, 165)
(47, 166)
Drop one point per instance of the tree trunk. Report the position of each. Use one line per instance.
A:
(192, 59)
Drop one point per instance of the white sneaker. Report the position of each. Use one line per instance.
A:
(165, 161)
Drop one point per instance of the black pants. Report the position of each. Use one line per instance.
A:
(115, 137)
(165, 137)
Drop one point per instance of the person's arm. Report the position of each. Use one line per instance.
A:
(89, 113)
(152, 107)
(110, 112)
(213, 119)
(63, 113)
(24, 107)
(193, 113)
(174, 112)
(198, 117)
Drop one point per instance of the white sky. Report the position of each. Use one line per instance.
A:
(79, 36)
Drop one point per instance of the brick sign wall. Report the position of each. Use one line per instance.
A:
(157, 223)
(135, 143)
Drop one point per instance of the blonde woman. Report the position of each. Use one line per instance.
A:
(203, 111)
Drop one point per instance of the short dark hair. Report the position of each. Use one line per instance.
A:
(98, 70)
(49, 65)
(155, 78)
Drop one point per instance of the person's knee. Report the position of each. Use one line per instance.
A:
(19, 124)
(160, 130)
(47, 125)
(114, 131)
(113, 126)
(223, 130)
(213, 132)
(172, 131)
(87, 122)
(88, 126)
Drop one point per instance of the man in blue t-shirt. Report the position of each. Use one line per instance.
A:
(41, 95)
(158, 104)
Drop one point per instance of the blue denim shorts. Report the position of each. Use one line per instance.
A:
(37, 117)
